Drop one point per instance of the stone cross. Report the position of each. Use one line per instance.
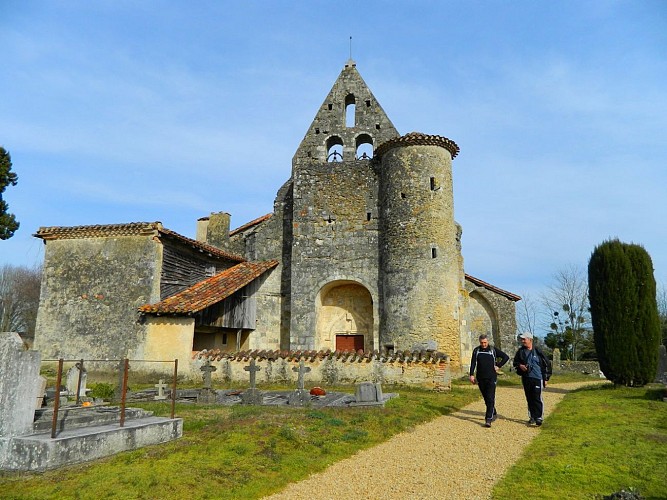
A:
(161, 386)
(253, 369)
(208, 369)
(302, 369)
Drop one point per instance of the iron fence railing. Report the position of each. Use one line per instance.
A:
(124, 365)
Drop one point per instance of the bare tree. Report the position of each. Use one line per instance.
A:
(566, 299)
(19, 299)
(526, 314)
(661, 296)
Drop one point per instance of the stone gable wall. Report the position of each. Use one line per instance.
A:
(91, 289)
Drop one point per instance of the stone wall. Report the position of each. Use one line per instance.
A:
(334, 239)
(501, 314)
(586, 367)
(430, 370)
(91, 289)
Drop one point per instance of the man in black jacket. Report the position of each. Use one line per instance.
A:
(487, 360)
(532, 365)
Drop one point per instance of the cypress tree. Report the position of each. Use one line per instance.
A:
(648, 318)
(624, 312)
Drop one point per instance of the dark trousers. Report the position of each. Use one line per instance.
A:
(532, 387)
(487, 386)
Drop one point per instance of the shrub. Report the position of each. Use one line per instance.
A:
(102, 390)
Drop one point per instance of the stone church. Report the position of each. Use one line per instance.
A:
(361, 252)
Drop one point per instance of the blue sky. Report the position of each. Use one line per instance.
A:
(125, 111)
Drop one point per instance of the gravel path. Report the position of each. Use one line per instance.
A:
(452, 457)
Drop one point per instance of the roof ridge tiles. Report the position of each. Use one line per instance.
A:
(416, 356)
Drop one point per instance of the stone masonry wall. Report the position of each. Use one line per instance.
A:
(91, 289)
(503, 318)
(335, 238)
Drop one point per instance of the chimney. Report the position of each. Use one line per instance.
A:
(202, 227)
(217, 230)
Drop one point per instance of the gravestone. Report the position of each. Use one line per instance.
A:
(207, 395)
(300, 396)
(368, 394)
(252, 396)
(161, 386)
(41, 391)
(72, 382)
(19, 386)
(555, 361)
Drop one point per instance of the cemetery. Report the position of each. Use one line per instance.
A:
(49, 427)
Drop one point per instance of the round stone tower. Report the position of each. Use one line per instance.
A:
(420, 260)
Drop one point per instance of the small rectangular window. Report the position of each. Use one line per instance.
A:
(224, 339)
(368, 216)
(432, 183)
(368, 103)
(330, 107)
(434, 252)
(403, 195)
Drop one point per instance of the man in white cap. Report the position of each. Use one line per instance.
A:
(535, 371)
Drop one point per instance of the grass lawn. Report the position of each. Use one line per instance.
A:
(597, 441)
(239, 451)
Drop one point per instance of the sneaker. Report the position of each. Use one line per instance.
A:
(538, 422)
(531, 421)
(493, 419)
(488, 422)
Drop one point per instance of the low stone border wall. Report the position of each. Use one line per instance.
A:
(587, 367)
(427, 369)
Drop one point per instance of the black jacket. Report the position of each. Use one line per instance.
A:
(485, 360)
(520, 358)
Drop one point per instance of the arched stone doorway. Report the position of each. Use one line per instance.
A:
(344, 317)
(480, 318)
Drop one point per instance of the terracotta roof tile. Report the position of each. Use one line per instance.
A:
(210, 291)
(250, 224)
(202, 246)
(98, 230)
(130, 229)
(345, 356)
(417, 139)
(488, 286)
